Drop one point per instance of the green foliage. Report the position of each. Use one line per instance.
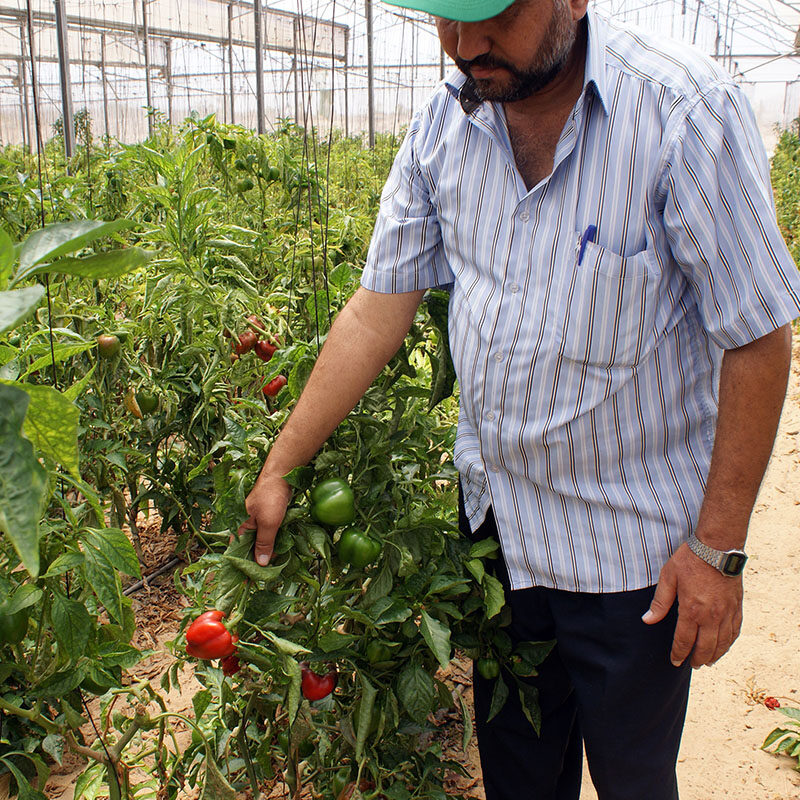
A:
(786, 188)
(786, 740)
(167, 245)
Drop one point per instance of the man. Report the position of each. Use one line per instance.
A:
(599, 204)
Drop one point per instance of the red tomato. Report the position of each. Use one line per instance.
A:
(208, 638)
(315, 687)
(245, 342)
(230, 665)
(254, 320)
(274, 386)
(264, 350)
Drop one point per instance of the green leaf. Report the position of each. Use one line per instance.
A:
(101, 265)
(792, 713)
(7, 256)
(499, 697)
(292, 671)
(493, 595)
(76, 390)
(51, 424)
(486, 548)
(379, 586)
(387, 611)
(476, 568)
(53, 745)
(215, 784)
(416, 692)
(71, 625)
(365, 708)
(119, 654)
(466, 721)
(61, 352)
(90, 782)
(24, 790)
(263, 605)
(774, 736)
(334, 640)
(61, 238)
(64, 563)
(252, 570)
(101, 567)
(285, 646)
(17, 305)
(529, 698)
(23, 480)
(200, 702)
(299, 374)
(300, 478)
(116, 548)
(24, 597)
(437, 637)
(532, 654)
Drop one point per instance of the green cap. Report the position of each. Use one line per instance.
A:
(461, 10)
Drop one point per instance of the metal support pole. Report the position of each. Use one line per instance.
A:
(168, 76)
(696, 21)
(441, 63)
(295, 37)
(66, 87)
(27, 137)
(146, 51)
(346, 85)
(370, 75)
(23, 104)
(34, 84)
(104, 81)
(230, 59)
(257, 14)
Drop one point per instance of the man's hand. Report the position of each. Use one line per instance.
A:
(709, 608)
(266, 505)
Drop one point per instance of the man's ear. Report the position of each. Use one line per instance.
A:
(578, 9)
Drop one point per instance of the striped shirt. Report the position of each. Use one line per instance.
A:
(589, 380)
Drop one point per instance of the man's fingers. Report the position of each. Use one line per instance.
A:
(248, 525)
(683, 641)
(265, 541)
(731, 634)
(705, 646)
(663, 599)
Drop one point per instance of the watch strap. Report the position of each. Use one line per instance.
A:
(728, 562)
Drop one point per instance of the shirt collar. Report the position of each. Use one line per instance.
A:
(594, 72)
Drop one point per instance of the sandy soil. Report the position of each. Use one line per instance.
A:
(727, 721)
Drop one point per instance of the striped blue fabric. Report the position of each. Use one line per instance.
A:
(589, 387)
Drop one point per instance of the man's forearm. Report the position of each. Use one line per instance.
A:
(364, 337)
(752, 388)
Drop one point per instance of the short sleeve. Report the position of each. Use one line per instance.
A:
(719, 217)
(406, 252)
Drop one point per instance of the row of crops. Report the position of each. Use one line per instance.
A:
(161, 307)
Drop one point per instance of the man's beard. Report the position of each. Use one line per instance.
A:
(556, 47)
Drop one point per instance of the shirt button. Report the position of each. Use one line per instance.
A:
(514, 288)
(524, 216)
(490, 416)
(498, 356)
(494, 468)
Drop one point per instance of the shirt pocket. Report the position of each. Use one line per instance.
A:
(610, 307)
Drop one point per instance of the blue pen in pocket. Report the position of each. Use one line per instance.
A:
(588, 236)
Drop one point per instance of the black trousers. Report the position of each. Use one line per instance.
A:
(608, 686)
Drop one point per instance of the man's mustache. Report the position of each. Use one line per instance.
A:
(485, 61)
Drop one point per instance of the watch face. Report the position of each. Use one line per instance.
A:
(734, 563)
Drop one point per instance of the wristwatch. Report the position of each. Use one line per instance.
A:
(728, 562)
